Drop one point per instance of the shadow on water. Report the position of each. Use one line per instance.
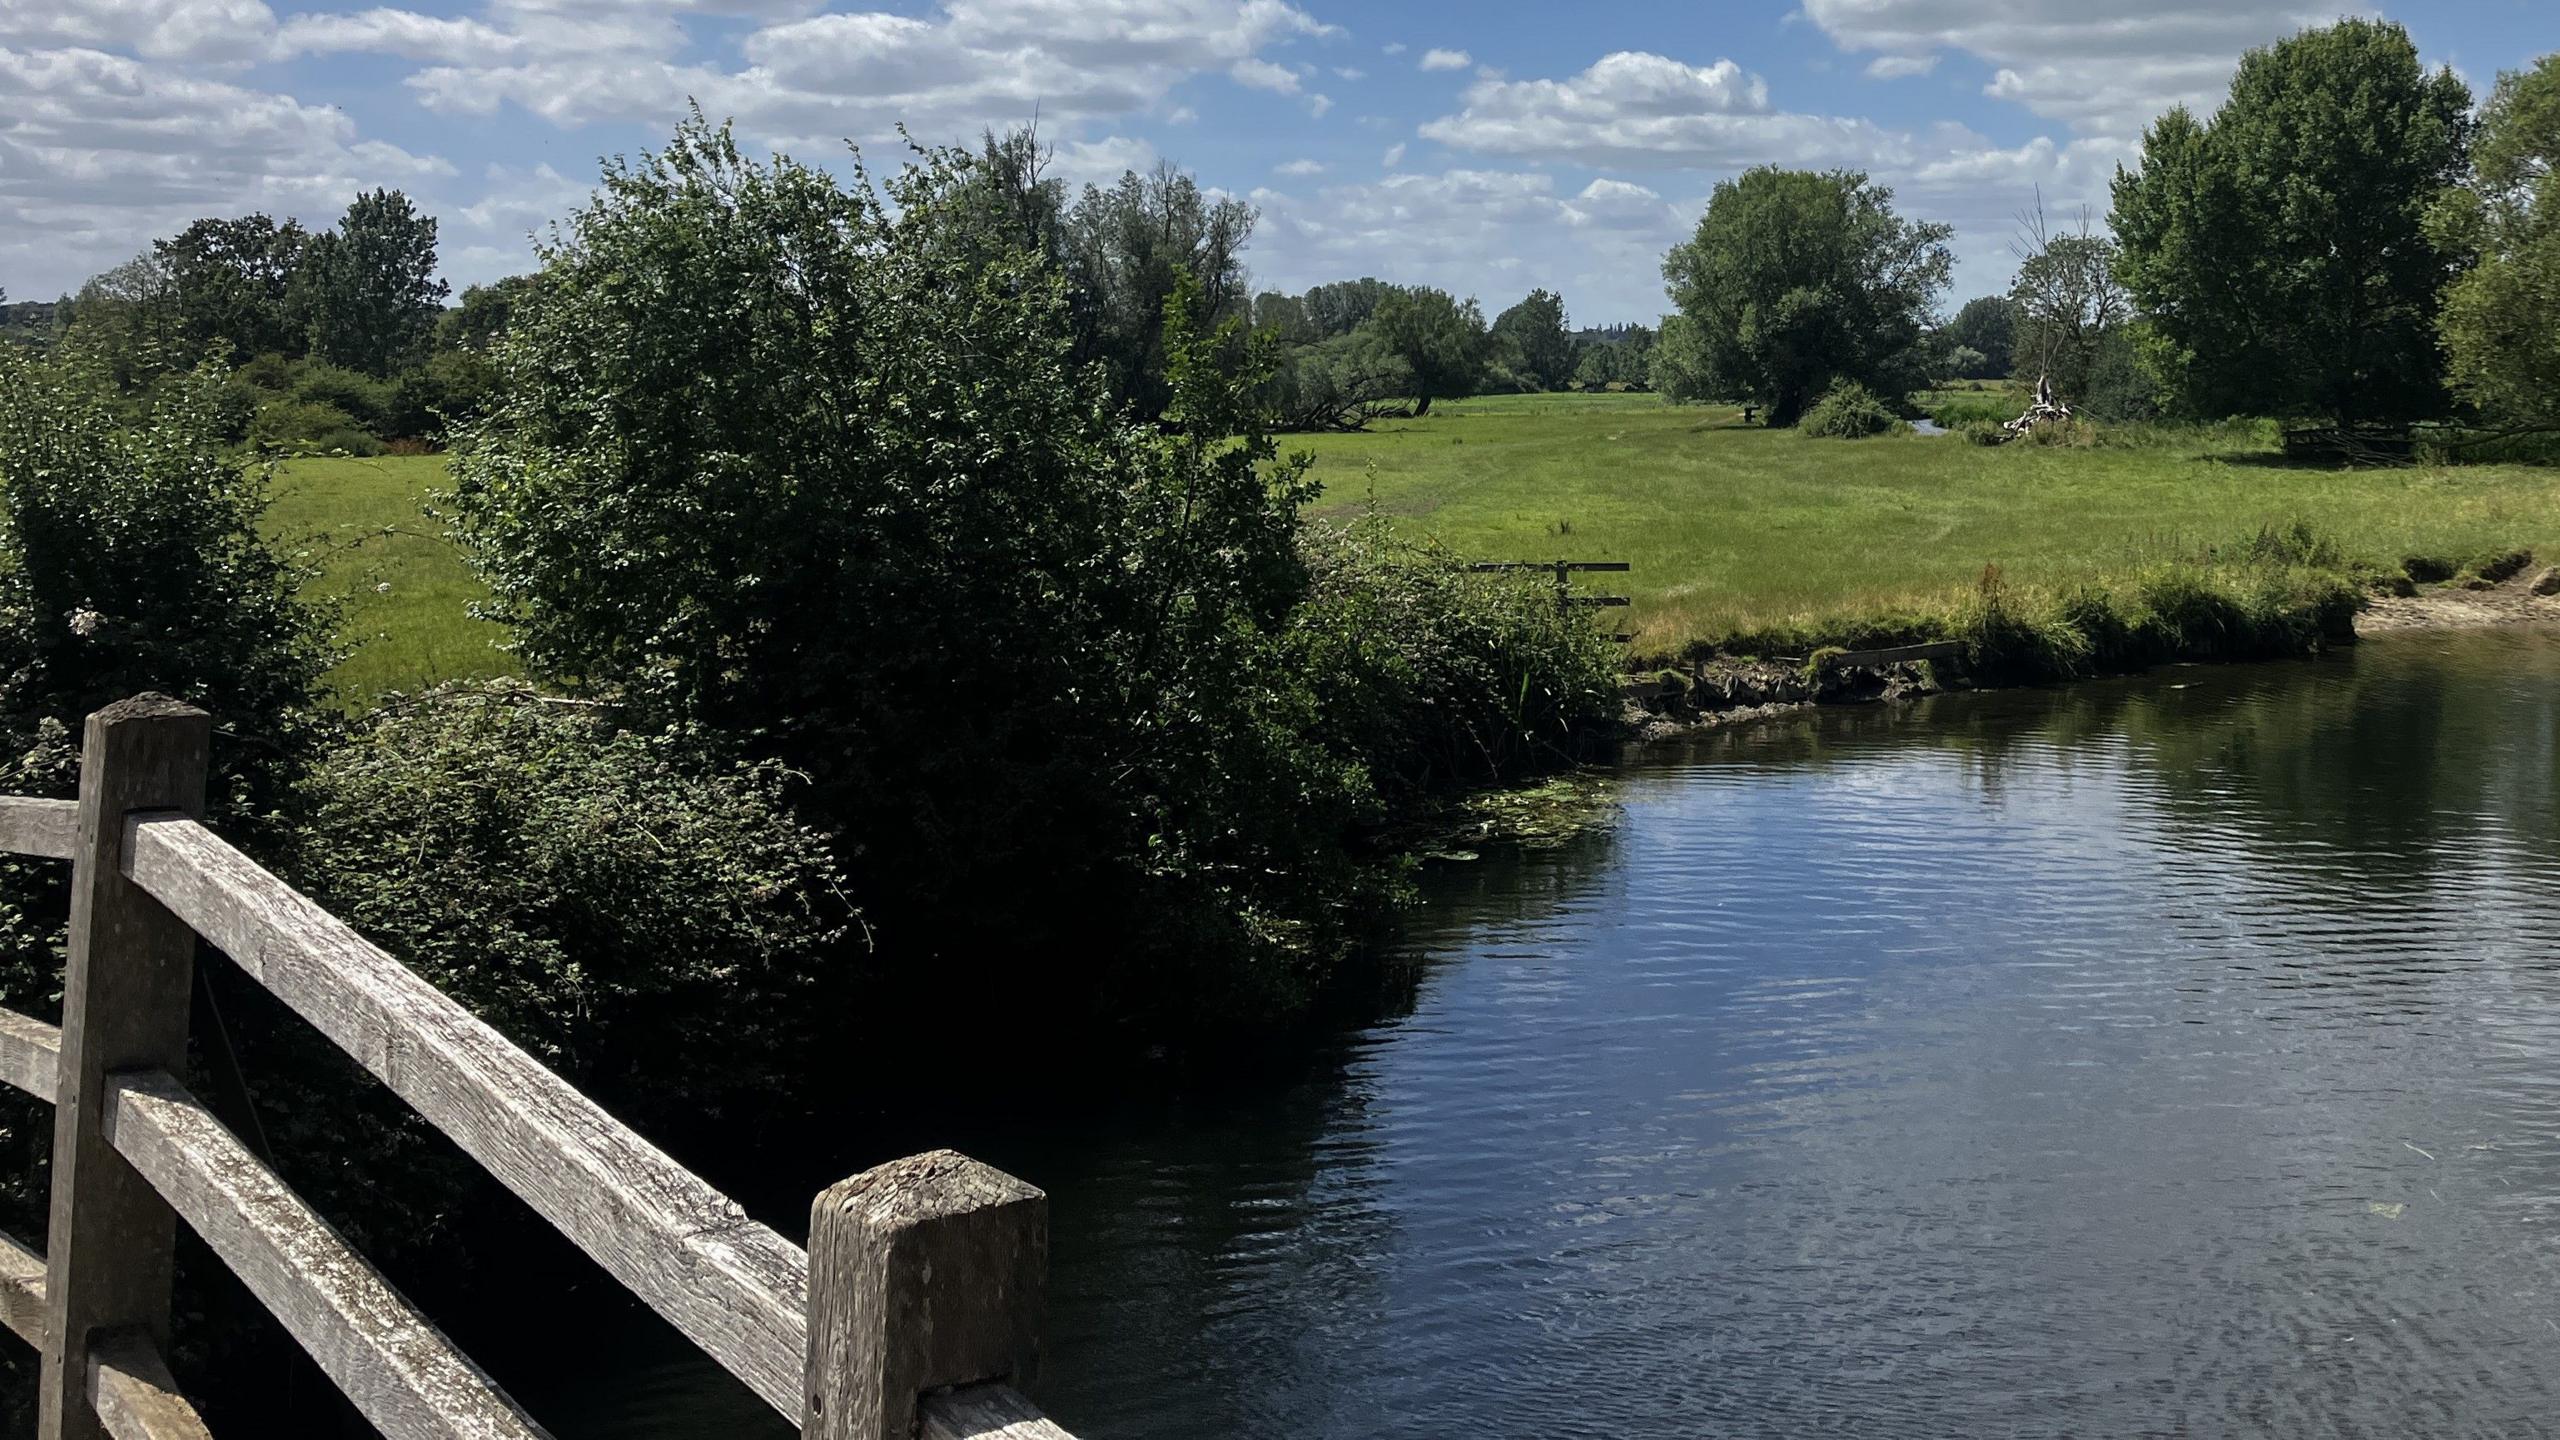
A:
(2171, 1055)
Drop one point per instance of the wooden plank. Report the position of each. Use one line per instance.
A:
(924, 1273)
(131, 1390)
(125, 980)
(30, 1054)
(986, 1412)
(45, 829)
(22, 1291)
(391, 1362)
(732, 1286)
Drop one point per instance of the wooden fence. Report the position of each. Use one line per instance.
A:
(914, 1311)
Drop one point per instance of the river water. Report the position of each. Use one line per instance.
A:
(2178, 1055)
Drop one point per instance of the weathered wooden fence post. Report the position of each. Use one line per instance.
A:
(125, 981)
(924, 1273)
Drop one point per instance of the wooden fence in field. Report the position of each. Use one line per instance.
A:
(914, 1311)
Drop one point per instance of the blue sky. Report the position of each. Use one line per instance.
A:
(1487, 148)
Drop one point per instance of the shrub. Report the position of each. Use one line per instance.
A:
(1984, 432)
(1958, 411)
(365, 400)
(130, 561)
(656, 929)
(312, 427)
(809, 470)
(1848, 411)
(1431, 675)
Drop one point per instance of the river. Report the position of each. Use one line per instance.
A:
(2170, 1055)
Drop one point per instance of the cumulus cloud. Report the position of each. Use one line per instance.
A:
(203, 30)
(1493, 234)
(100, 152)
(2101, 66)
(1446, 60)
(1299, 169)
(1896, 67)
(1633, 109)
(859, 74)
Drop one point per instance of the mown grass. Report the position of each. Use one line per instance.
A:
(1739, 530)
(404, 588)
(1736, 532)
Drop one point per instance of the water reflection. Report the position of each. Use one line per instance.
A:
(2173, 1056)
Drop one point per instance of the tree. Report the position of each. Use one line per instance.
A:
(231, 282)
(2279, 250)
(806, 470)
(2067, 301)
(124, 321)
(369, 289)
(2501, 322)
(1679, 368)
(477, 322)
(1988, 326)
(1441, 340)
(1126, 249)
(1797, 279)
(1536, 329)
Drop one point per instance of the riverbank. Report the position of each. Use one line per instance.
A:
(1716, 690)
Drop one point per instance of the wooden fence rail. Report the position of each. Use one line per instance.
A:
(925, 1306)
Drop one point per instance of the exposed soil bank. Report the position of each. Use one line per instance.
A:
(2529, 597)
(1721, 691)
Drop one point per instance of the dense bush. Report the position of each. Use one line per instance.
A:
(129, 561)
(310, 426)
(1848, 411)
(655, 930)
(1431, 675)
(806, 470)
(364, 399)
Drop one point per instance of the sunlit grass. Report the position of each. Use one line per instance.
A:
(1731, 528)
(405, 588)
(1735, 528)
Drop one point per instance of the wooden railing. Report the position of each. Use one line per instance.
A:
(914, 1311)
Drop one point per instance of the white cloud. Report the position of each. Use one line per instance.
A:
(1263, 75)
(1396, 48)
(1394, 156)
(814, 79)
(1896, 67)
(1319, 105)
(1297, 169)
(201, 30)
(1651, 110)
(2104, 67)
(99, 153)
(1349, 75)
(1488, 233)
(1446, 60)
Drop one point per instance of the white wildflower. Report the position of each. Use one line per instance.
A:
(382, 588)
(85, 622)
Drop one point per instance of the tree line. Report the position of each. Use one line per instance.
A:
(2344, 240)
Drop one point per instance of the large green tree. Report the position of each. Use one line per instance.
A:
(1988, 326)
(1441, 340)
(369, 288)
(2501, 320)
(1798, 279)
(808, 470)
(1535, 330)
(231, 282)
(2279, 250)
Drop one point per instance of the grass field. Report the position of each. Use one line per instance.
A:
(1730, 528)
(405, 588)
(1734, 528)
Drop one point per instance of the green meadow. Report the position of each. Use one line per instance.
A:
(1731, 528)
